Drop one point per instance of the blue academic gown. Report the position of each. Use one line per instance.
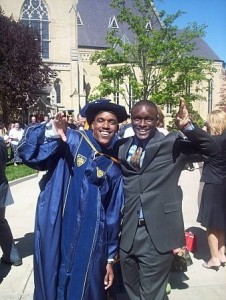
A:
(77, 217)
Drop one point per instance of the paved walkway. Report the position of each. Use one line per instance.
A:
(16, 283)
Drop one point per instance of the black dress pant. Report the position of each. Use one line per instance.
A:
(6, 238)
(145, 271)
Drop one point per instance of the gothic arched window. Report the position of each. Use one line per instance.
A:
(35, 14)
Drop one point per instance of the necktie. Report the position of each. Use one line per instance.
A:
(135, 158)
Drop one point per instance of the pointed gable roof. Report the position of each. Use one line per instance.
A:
(95, 16)
(204, 50)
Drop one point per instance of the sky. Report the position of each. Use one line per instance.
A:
(209, 12)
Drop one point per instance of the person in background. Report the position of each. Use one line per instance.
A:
(10, 255)
(46, 119)
(15, 135)
(161, 121)
(128, 130)
(123, 127)
(8, 142)
(212, 211)
(71, 123)
(78, 213)
(3, 131)
(4, 135)
(81, 121)
(33, 121)
(152, 224)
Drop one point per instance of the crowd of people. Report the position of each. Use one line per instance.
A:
(14, 132)
(107, 195)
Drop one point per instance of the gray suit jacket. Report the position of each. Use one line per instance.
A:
(155, 186)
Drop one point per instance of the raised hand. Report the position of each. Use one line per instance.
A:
(60, 124)
(182, 117)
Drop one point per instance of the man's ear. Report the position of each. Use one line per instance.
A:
(91, 126)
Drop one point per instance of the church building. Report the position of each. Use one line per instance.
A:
(71, 31)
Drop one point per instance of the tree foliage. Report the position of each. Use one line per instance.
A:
(21, 68)
(156, 61)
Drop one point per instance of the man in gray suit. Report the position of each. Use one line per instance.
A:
(153, 222)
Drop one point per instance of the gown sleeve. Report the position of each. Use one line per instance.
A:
(36, 150)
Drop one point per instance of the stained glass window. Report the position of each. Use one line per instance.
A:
(35, 14)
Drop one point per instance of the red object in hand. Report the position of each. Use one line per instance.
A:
(190, 239)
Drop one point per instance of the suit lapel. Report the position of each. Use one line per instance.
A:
(151, 149)
(123, 152)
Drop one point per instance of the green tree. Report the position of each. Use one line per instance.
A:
(21, 68)
(157, 62)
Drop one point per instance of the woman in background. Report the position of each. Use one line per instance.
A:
(161, 121)
(212, 212)
(10, 255)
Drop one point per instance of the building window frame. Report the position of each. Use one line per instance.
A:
(57, 87)
(131, 96)
(116, 92)
(34, 13)
(113, 23)
(210, 95)
(79, 20)
(169, 108)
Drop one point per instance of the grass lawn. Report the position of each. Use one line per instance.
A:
(19, 171)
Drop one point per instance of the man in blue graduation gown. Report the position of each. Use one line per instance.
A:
(79, 208)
